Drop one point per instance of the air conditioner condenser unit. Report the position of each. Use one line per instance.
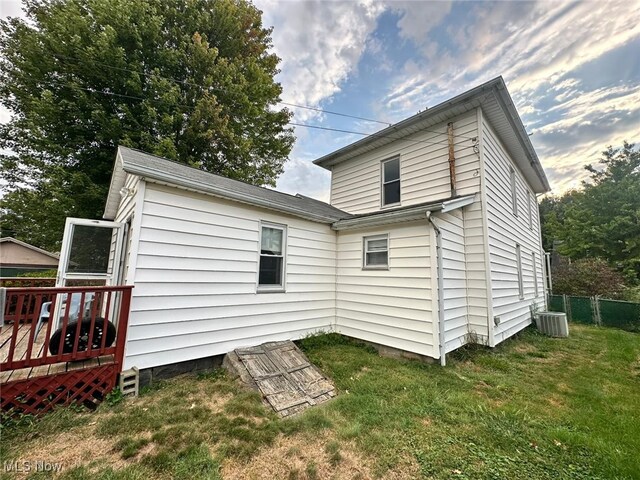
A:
(553, 324)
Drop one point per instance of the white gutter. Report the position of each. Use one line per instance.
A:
(402, 215)
(441, 340)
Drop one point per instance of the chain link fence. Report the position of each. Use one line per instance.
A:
(596, 311)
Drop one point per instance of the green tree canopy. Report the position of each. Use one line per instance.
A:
(192, 81)
(602, 219)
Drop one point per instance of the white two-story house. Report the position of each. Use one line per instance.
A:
(431, 241)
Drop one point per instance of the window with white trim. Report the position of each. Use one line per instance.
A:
(271, 272)
(519, 265)
(530, 201)
(534, 267)
(514, 193)
(391, 182)
(376, 252)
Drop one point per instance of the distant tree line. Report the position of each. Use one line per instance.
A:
(598, 228)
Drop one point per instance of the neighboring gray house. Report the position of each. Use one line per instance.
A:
(432, 240)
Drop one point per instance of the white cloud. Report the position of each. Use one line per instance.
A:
(536, 47)
(303, 177)
(419, 18)
(579, 110)
(320, 44)
(529, 44)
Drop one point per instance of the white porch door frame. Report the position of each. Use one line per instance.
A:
(110, 277)
(65, 253)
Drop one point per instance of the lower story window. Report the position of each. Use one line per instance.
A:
(376, 251)
(272, 257)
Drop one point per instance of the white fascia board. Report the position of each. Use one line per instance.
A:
(118, 178)
(511, 113)
(151, 174)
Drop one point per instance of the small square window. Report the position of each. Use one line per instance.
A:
(376, 252)
(391, 182)
(272, 257)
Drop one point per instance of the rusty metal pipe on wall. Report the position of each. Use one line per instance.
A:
(452, 159)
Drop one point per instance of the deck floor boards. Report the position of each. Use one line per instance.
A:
(20, 353)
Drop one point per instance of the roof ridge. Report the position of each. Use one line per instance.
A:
(138, 162)
(211, 173)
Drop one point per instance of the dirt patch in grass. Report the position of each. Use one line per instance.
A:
(79, 446)
(304, 457)
(215, 403)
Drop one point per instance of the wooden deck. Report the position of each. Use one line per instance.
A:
(88, 352)
(20, 353)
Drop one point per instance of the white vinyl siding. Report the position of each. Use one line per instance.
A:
(454, 280)
(424, 168)
(196, 273)
(475, 255)
(514, 191)
(505, 230)
(124, 214)
(391, 307)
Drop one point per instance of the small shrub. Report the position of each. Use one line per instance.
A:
(114, 397)
(588, 277)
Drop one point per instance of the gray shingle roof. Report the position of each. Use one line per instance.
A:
(152, 167)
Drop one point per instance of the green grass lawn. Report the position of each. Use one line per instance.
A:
(533, 408)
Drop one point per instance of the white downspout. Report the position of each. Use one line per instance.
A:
(443, 359)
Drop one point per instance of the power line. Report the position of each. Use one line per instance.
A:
(307, 107)
(184, 82)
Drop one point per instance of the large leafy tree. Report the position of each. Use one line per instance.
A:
(602, 219)
(190, 80)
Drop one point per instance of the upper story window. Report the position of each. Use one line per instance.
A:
(530, 200)
(514, 193)
(391, 182)
(376, 252)
(271, 272)
(519, 266)
(535, 273)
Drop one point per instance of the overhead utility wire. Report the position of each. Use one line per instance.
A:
(307, 107)
(184, 82)
(317, 127)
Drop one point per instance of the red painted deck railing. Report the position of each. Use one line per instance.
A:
(91, 322)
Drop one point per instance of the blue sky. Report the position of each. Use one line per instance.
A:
(573, 70)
